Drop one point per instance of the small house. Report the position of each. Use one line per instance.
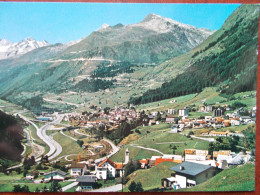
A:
(188, 174)
(78, 169)
(197, 155)
(235, 122)
(171, 119)
(245, 119)
(57, 175)
(108, 169)
(218, 112)
(144, 163)
(174, 128)
(86, 182)
(183, 112)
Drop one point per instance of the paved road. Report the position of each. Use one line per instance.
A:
(55, 147)
(69, 186)
(170, 143)
(77, 131)
(37, 150)
(114, 188)
(115, 149)
(204, 138)
(151, 149)
(60, 102)
(68, 136)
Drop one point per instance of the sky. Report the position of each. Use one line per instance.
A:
(64, 22)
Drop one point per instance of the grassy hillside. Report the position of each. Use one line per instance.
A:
(11, 135)
(119, 58)
(225, 59)
(209, 94)
(236, 179)
(151, 178)
(158, 137)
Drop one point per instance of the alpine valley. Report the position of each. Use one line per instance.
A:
(117, 58)
(155, 106)
(123, 62)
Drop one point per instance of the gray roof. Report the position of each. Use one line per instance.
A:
(245, 117)
(190, 168)
(56, 171)
(87, 178)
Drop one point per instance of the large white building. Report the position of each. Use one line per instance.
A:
(78, 169)
(183, 112)
(109, 169)
(188, 174)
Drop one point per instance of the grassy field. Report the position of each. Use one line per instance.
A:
(160, 139)
(236, 179)
(235, 128)
(37, 140)
(151, 178)
(164, 104)
(68, 145)
(28, 151)
(210, 95)
(134, 153)
(73, 189)
(40, 124)
(9, 107)
(9, 186)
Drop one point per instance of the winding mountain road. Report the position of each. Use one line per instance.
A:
(68, 136)
(77, 131)
(55, 147)
(151, 149)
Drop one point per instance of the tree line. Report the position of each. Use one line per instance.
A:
(236, 64)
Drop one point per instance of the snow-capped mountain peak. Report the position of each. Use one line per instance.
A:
(104, 26)
(161, 24)
(9, 49)
(5, 42)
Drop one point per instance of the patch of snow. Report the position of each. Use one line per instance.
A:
(161, 24)
(9, 49)
(104, 26)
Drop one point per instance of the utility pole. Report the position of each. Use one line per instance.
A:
(51, 175)
(122, 174)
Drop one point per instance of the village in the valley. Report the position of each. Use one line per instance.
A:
(114, 143)
(128, 97)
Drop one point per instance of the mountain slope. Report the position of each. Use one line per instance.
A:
(9, 49)
(107, 57)
(235, 179)
(153, 40)
(227, 59)
(11, 134)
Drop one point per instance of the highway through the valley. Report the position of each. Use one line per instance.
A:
(55, 147)
(37, 150)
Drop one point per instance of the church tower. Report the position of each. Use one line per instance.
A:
(126, 156)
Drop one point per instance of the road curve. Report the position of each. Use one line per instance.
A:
(114, 188)
(55, 147)
(115, 149)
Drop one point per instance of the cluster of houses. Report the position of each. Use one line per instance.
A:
(155, 160)
(198, 166)
(207, 122)
(195, 167)
(110, 118)
(86, 179)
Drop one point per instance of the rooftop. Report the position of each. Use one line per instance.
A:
(108, 161)
(78, 165)
(190, 168)
(86, 178)
(56, 171)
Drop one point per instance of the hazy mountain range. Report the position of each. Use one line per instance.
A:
(9, 49)
(138, 57)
